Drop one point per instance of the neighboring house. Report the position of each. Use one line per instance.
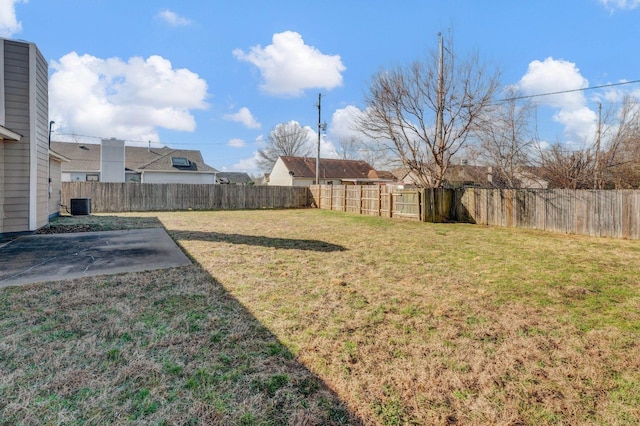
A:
(29, 170)
(262, 180)
(55, 182)
(456, 176)
(234, 178)
(113, 161)
(301, 171)
(464, 175)
(488, 177)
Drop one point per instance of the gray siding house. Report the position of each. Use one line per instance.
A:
(113, 161)
(25, 158)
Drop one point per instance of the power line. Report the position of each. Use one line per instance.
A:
(603, 86)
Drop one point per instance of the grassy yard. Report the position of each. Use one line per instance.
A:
(316, 317)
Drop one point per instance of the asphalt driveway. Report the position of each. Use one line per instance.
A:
(38, 258)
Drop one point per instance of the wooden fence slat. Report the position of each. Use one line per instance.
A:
(128, 197)
(602, 213)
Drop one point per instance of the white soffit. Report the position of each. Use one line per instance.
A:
(9, 134)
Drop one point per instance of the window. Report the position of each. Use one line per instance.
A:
(180, 162)
(93, 177)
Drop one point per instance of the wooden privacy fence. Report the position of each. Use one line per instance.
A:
(427, 205)
(601, 213)
(131, 197)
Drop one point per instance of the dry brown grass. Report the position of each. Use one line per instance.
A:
(436, 324)
(407, 323)
(161, 347)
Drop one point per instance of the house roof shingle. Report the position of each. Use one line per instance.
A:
(86, 157)
(305, 167)
(235, 177)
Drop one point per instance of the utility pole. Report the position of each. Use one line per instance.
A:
(321, 127)
(596, 179)
(440, 110)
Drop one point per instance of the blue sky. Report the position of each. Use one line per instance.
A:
(217, 76)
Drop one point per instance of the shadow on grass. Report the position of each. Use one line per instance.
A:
(168, 346)
(253, 240)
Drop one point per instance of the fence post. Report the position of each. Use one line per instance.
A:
(344, 198)
(330, 197)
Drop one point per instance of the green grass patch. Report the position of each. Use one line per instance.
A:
(308, 317)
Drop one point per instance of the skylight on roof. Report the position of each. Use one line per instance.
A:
(180, 162)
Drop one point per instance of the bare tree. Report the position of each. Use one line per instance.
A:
(563, 168)
(506, 138)
(424, 113)
(286, 139)
(612, 160)
(617, 148)
(349, 148)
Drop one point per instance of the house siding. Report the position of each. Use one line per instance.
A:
(39, 89)
(112, 161)
(16, 154)
(2, 102)
(55, 194)
(2, 180)
(25, 164)
(280, 176)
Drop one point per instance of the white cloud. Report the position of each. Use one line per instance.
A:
(9, 24)
(620, 4)
(343, 123)
(247, 165)
(327, 148)
(173, 19)
(553, 75)
(550, 76)
(617, 94)
(236, 143)
(289, 66)
(245, 117)
(580, 124)
(129, 100)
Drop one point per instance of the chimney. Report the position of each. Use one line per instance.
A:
(112, 160)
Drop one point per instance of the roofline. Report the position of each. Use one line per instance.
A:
(7, 134)
(140, 169)
(176, 171)
(58, 156)
(17, 40)
(365, 179)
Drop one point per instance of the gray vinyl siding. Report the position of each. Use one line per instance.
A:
(24, 165)
(56, 187)
(41, 115)
(1, 178)
(16, 154)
